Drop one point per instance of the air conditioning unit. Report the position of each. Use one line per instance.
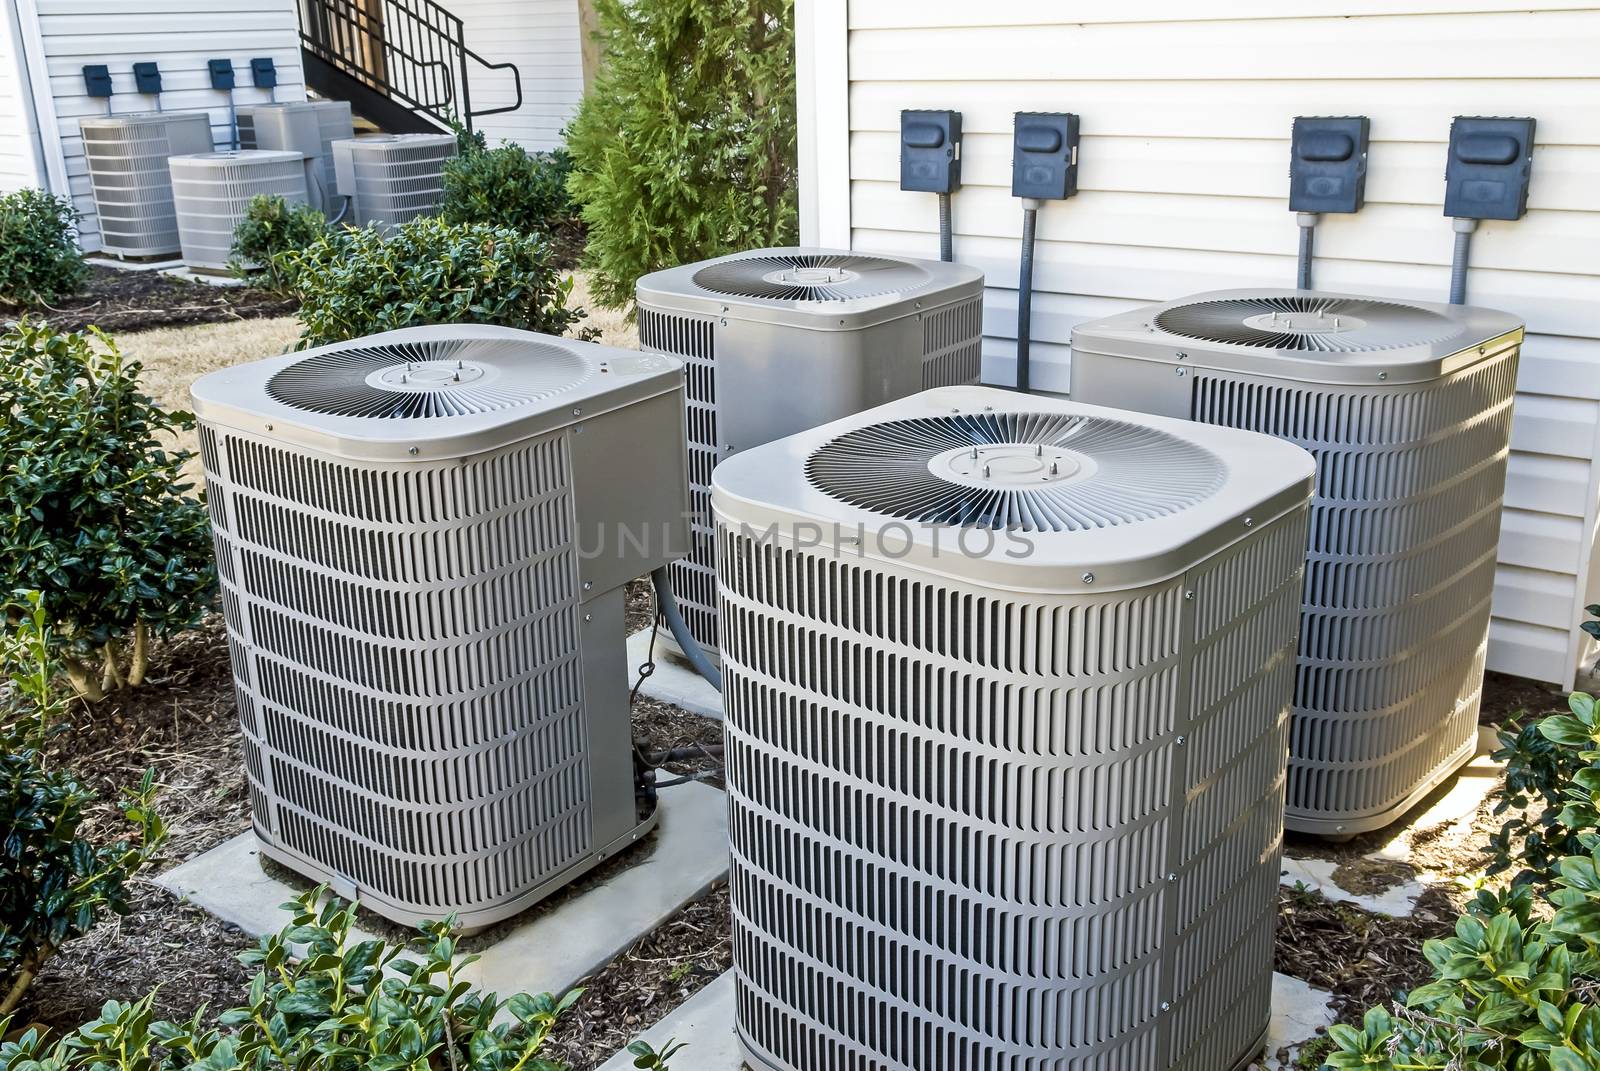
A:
(431, 674)
(392, 178)
(1007, 683)
(127, 160)
(212, 192)
(309, 127)
(1407, 407)
(781, 340)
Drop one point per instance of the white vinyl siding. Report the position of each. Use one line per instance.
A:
(1186, 108)
(19, 134)
(542, 38)
(179, 35)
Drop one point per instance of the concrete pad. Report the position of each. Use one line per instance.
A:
(703, 1023)
(229, 883)
(1299, 1012)
(674, 681)
(1398, 901)
(209, 278)
(1467, 791)
(549, 952)
(553, 951)
(133, 265)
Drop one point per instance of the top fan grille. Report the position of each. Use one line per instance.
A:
(1049, 472)
(1304, 323)
(810, 277)
(412, 380)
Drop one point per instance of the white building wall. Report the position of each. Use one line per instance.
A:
(20, 159)
(1186, 109)
(543, 39)
(180, 35)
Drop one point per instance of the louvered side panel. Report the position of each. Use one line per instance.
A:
(952, 345)
(694, 580)
(1403, 538)
(405, 647)
(972, 830)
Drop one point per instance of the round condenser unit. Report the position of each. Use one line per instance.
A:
(212, 192)
(392, 178)
(1407, 409)
(781, 340)
(431, 677)
(1007, 683)
(126, 156)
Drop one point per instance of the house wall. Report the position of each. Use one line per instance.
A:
(20, 159)
(543, 39)
(1186, 109)
(180, 35)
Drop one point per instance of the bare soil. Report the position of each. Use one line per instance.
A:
(116, 301)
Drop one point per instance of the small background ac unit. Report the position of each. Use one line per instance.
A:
(212, 190)
(1007, 684)
(1407, 407)
(309, 127)
(781, 340)
(431, 677)
(127, 160)
(392, 178)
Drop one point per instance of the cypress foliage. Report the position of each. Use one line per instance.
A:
(685, 146)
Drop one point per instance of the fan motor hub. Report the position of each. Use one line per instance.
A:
(1306, 323)
(427, 375)
(1020, 465)
(815, 276)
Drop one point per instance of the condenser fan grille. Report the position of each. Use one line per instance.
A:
(413, 380)
(810, 277)
(1304, 322)
(1037, 472)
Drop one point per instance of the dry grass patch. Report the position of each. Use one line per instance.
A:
(615, 330)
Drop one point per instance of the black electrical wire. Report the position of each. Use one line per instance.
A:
(667, 605)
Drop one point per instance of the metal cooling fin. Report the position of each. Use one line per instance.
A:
(1307, 323)
(811, 277)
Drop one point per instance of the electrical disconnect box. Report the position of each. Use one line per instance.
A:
(221, 73)
(147, 77)
(930, 151)
(263, 73)
(1490, 161)
(97, 80)
(1328, 163)
(1044, 159)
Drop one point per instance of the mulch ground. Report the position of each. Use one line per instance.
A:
(118, 301)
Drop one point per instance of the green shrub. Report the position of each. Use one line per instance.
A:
(509, 187)
(1515, 988)
(427, 271)
(1532, 839)
(39, 256)
(271, 227)
(322, 1003)
(55, 882)
(685, 147)
(94, 511)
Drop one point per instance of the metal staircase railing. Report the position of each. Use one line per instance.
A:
(411, 51)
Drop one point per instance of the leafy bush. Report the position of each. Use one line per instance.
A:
(321, 1003)
(1515, 989)
(1532, 839)
(55, 882)
(271, 227)
(39, 255)
(509, 187)
(685, 148)
(94, 511)
(427, 271)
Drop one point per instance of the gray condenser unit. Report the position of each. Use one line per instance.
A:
(127, 160)
(781, 340)
(423, 539)
(1007, 685)
(212, 192)
(392, 178)
(1407, 407)
(309, 127)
